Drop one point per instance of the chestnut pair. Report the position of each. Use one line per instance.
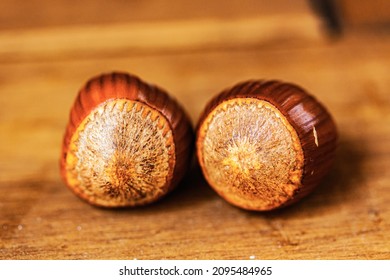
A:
(261, 144)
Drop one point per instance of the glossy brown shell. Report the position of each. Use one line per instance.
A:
(303, 112)
(115, 85)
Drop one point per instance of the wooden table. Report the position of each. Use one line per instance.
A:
(45, 60)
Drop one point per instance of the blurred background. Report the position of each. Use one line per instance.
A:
(338, 50)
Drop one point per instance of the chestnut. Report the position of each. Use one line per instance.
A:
(127, 142)
(263, 145)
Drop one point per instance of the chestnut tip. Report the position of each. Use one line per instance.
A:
(263, 145)
(127, 142)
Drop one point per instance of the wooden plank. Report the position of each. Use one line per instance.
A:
(151, 37)
(346, 218)
(36, 14)
(194, 52)
(365, 13)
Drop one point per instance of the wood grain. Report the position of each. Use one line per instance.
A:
(135, 39)
(347, 217)
(19, 14)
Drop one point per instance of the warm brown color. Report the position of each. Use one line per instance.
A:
(364, 13)
(263, 145)
(347, 217)
(250, 154)
(127, 143)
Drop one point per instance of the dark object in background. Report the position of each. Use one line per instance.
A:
(342, 15)
(327, 10)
